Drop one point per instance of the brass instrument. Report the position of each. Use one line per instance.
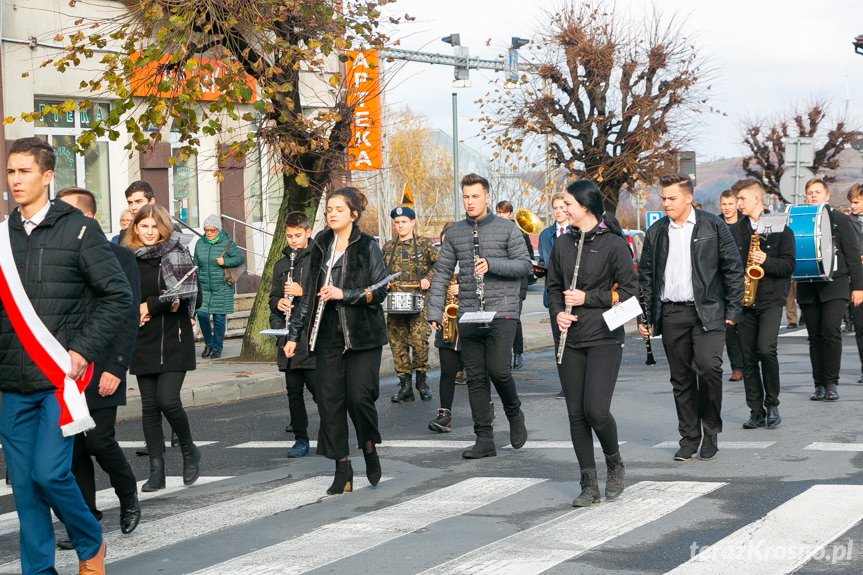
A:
(527, 221)
(450, 311)
(754, 272)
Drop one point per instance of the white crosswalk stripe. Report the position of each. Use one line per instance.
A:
(785, 538)
(345, 538)
(542, 547)
(141, 444)
(823, 446)
(722, 445)
(417, 444)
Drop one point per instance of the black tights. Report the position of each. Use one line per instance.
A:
(160, 394)
(588, 376)
(450, 364)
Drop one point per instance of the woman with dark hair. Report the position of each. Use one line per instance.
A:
(344, 324)
(165, 347)
(591, 359)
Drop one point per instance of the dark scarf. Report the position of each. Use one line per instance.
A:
(175, 262)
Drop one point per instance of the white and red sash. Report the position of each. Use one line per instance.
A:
(41, 345)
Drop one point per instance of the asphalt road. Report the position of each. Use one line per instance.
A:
(771, 502)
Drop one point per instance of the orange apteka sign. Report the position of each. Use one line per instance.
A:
(146, 80)
(364, 99)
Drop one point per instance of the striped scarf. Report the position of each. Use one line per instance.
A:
(175, 263)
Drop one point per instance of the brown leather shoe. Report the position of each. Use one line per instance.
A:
(736, 375)
(95, 565)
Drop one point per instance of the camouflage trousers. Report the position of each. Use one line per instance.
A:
(405, 332)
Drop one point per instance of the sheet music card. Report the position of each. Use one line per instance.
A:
(477, 317)
(622, 313)
(771, 223)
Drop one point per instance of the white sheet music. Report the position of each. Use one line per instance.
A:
(477, 317)
(622, 313)
(771, 223)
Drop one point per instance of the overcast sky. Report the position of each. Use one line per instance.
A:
(767, 56)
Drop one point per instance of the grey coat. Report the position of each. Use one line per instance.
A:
(502, 245)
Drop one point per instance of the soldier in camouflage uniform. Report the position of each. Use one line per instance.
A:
(415, 258)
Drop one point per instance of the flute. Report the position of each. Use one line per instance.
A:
(289, 282)
(562, 345)
(316, 325)
(646, 338)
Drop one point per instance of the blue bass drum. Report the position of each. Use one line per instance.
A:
(814, 242)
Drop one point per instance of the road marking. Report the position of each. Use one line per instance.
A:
(795, 333)
(821, 446)
(106, 498)
(542, 547)
(722, 445)
(175, 529)
(342, 539)
(414, 444)
(141, 444)
(785, 538)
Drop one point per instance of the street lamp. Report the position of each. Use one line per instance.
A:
(461, 79)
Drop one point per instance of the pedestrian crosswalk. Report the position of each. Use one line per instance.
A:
(493, 525)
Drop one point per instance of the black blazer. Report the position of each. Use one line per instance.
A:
(849, 271)
(772, 289)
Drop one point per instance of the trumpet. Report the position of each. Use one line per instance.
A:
(450, 311)
(527, 221)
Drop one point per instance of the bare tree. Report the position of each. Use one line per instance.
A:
(617, 96)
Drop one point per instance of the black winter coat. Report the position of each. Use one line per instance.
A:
(118, 355)
(717, 272)
(360, 316)
(166, 342)
(605, 260)
(75, 285)
(772, 290)
(849, 271)
(301, 359)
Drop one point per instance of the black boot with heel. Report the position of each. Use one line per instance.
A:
(373, 464)
(156, 480)
(343, 482)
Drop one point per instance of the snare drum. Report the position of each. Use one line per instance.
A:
(813, 242)
(404, 302)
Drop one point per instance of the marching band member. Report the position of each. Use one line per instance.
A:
(692, 283)
(165, 347)
(492, 259)
(344, 325)
(855, 199)
(546, 242)
(730, 213)
(773, 262)
(506, 211)
(415, 258)
(823, 302)
(289, 275)
(591, 359)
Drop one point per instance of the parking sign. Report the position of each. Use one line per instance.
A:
(652, 217)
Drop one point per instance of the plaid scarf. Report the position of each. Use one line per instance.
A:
(175, 263)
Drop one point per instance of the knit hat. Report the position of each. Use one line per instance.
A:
(403, 211)
(213, 221)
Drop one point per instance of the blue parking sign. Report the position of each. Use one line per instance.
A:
(652, 217)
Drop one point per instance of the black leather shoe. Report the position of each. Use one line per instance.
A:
(422, 386)
(405, 391)
(831, 394)
(517, 362)
(791, 326)
(773, 417)
(819, 394)
(207, 351)
(756, 420)
(709, 447)
(215, 354)
(685, 453)
(482, 448)
(65, 545)
(191, 463)
(517, 431)
(130, 513)
(142, 452)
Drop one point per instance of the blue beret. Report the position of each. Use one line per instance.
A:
(403, 211)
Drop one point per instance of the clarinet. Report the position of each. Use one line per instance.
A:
(480, 280)
(316, 325)
(643, 319)
(290, 297)
(562, 345)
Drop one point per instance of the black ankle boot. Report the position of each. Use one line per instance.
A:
(589, 489)
(130, 513)
(614, 479)
(422, 386)
(373, 466)
(156, 480)
(405, 392)
(344, 479)
(191, 462)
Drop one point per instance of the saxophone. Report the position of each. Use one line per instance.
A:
(754, 272)
(450, 311)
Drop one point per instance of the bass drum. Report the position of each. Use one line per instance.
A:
(813, 241)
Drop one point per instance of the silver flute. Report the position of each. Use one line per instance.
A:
(319, 314)
(290, 282)
(562, 345)
(480, 278)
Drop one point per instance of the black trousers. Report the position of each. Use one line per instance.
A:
(518, 340)
(450, 364)
(759, 332)
(101, 444)
(588, 376)
(733, 346)
(295, 380)
(348, 384)
(823, 323)
(486, 352)
(857, 316)
(160, 395)
(695, 363)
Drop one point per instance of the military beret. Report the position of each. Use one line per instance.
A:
(403, 211)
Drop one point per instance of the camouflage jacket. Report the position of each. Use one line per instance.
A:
(415, 258)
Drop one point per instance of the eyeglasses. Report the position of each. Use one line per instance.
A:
(210, 230)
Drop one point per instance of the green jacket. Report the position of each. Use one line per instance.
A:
(218, 295)
(415, 258)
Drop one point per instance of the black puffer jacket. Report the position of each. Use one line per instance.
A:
(605, 260)
(75, 285)
(717, 273)
(772, 289)
(360, 317)
(302, 261)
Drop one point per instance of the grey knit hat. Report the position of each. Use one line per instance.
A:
(213, 221)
